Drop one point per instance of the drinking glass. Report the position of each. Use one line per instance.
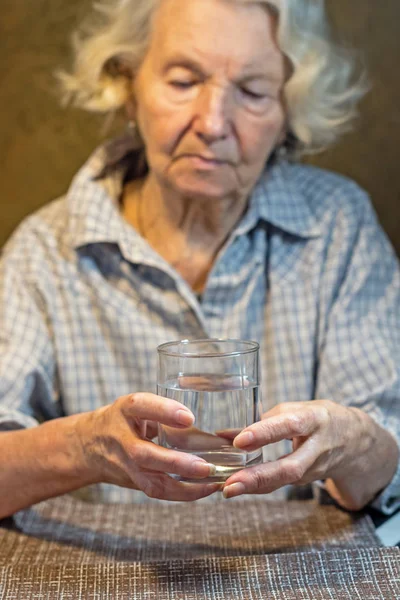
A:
(218, 380)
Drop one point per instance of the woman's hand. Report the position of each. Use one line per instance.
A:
(116, 448)
(340, 444)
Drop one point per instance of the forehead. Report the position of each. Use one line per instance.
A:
(218, 32)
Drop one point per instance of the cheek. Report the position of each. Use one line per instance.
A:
(157, 134)
(161, 134)
(260, 139)
(161, 125)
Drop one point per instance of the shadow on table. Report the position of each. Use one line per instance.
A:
(66, 530)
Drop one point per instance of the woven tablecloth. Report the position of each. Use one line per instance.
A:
(246, 549)
(67, 530)
(367, 574)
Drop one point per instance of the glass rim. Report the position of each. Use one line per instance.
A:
(253, 347)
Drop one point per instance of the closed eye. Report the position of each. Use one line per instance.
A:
(182, 85)
(253, 95)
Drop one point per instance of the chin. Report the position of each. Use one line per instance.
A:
(202, 189)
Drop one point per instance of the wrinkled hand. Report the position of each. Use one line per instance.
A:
(326, 437)
(116, 447)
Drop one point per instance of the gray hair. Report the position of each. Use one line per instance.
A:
(321, 95)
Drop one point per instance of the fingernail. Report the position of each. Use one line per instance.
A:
(235, 489)
(203, 469)
(184, 417)
(244, 439)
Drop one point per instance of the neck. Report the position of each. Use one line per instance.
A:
(187, 232)
(199, 220)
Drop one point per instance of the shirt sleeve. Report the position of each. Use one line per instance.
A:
(359, 352)
(28, 389)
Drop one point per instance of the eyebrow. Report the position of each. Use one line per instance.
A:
(178, 60)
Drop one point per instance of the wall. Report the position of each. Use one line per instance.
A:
(42, 144)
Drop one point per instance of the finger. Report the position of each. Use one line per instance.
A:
(275, 429)
(164, 487)
(294, 468)
(152, 457)
(229, 434)
(156, 408)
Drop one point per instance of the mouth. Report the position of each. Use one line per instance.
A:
(200, 159)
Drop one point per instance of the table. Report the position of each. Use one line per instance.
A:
(245, 549)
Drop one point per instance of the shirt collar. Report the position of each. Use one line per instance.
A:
(94, 211)
(278, 200)
(94, 198)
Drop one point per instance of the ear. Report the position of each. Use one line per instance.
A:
(116, 81)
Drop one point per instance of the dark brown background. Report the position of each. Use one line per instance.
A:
(42, 145)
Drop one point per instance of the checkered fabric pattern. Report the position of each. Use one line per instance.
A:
(308, 273)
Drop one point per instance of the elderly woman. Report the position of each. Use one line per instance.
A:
(196, 224)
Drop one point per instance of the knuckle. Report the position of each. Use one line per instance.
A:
(126, 404)
(150, 488)
(294, 470)
(297, 423)
(139, 453)
(258, 481)
(269, 430)
(174, 464)
(324, 411)
(133, 400)
(264, 428)
(136, 400)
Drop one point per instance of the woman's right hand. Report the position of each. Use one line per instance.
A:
(116, 450)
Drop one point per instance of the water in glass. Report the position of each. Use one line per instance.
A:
(223, 405)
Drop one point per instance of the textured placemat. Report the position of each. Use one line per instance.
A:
(66, 530)
(367, 574)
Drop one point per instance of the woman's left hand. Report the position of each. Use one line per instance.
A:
(329, 440)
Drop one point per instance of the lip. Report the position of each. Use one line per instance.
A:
(205, 161)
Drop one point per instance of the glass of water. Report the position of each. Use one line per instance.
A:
(218, 380)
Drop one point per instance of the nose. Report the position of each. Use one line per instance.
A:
(212, 116)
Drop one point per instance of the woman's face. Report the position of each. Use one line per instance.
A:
(207, 97)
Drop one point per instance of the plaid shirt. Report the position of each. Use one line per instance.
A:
(308, 273)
